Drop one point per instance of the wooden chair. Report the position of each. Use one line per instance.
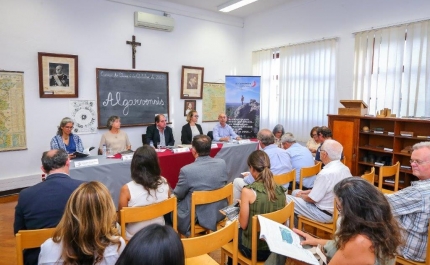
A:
(30, 239)
(307, 172)
(205, 197)
(148, 212)
(370, 176)
(389, 171)
(280, 216)
(196, 248)
(286, 178)
(328, 227)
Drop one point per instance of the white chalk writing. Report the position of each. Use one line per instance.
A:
(126, 103)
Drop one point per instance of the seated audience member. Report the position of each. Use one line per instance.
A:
(147, 187)
(313, 142)
(279, 161)
(300, 157)
(191, 129)
(42, 205)
(205, 173)
(262, 196)
(159, 133)
(411, 205)
(86, 233)
(65, 139)
(222, 132)
(115, 139)
(278, 131)
(154, 244)
(323, 133)
(368, 233)
(317, 204)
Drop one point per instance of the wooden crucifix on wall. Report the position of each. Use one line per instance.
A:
(133, 44)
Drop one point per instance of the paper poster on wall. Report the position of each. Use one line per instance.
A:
(12, 111)
(243, 104)
(213, 101)
(83, 112)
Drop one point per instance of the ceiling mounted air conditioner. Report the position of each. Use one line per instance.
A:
(151, 21)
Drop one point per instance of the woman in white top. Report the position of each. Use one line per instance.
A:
(313, 143)
(191, 129)
(115, 139)
(147, 187)
(86, 233)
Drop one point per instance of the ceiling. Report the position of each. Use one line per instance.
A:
(211, 5)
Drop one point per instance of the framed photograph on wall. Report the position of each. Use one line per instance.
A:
(58, 75)
(189, 105)
(192, 82)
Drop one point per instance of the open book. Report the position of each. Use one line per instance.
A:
(282, 240)
(231, 211)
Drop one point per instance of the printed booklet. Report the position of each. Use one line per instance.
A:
(282, 240)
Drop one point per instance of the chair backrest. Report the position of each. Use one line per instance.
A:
(209, 196)
(211, 135)
(30, 239)
(281, 216)
(148, 212)
(389, 171)
(197, 246)
(307, 172)
(370, 176)
(286, 178)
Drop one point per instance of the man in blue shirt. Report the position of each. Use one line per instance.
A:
(300, 157)
(279, 161)
(222, 132)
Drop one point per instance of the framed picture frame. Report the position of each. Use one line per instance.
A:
(189, 105)
(192, 82)
(58, 75)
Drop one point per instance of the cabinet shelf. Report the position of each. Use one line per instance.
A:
(380, 150)
(359, 145)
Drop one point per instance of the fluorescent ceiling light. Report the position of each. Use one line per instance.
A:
(234, 4)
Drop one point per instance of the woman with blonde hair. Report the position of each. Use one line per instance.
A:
(86, 233)
(191, 129)
(260, 197)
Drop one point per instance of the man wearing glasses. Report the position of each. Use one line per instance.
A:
(411, 205)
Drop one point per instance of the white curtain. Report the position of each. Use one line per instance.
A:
(307, 82)
(263, 65)
(391, 69)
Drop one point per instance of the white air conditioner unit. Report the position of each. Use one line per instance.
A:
(151, 21)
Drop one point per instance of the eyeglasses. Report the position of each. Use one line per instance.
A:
(196, 116)
(68, 127)
(418, 162)
(313, 135)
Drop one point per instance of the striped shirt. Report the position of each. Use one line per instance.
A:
(411, 206)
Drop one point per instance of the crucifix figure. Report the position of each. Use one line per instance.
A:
(133, 44)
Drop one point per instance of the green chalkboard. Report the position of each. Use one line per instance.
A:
(135, 96)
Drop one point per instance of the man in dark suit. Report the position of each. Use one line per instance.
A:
(206, 173)
(42, 205)
(159, 133)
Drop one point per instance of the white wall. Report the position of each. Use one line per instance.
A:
(96, 31)
(308, 20)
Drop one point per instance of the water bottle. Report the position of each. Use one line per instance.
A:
(104, 150)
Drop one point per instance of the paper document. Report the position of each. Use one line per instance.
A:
(282, 240)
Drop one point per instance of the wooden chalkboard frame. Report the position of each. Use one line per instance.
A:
(143, 81)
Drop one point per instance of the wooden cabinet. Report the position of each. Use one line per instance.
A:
(382, 144)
